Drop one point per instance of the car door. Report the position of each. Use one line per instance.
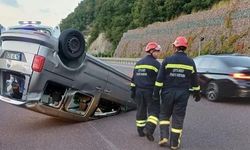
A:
(210, 68)
(118, 87)
(93, 77)
(200, 69)
(203, 70)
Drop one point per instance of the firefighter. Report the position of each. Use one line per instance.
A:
(142, 86)
(177, 76)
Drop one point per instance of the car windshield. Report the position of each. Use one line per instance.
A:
(238, 61)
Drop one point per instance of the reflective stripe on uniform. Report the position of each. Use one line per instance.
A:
(160, 84)
(140, 123)
(196, 88)
(180, 66)
(176, 130)
(164, 122)
(153, 120)
(132, 84)
(146, 67)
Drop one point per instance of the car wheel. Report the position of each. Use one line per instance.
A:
(71, 44)
(212, 91)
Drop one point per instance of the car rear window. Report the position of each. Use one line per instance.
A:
(237, 61)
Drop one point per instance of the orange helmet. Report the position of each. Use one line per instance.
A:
(180, 41)
(152, 46)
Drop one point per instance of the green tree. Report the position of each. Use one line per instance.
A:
(196, 5)
(144, 12)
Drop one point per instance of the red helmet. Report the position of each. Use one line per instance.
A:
(180, 41)
(152, 46)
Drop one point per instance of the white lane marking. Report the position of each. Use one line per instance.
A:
(112, 146)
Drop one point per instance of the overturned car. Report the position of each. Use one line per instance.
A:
(50, 73)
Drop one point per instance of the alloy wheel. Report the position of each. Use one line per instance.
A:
(212, 91)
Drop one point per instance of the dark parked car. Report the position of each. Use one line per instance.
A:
(224, 76)
(51, 73)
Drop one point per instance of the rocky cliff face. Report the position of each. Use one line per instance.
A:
(100, 45)
(225, 30)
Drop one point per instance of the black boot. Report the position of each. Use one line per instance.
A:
(148, 134)
(164, 132)
(175, 139)
(163, 142)
(150, 127)
(140, 131)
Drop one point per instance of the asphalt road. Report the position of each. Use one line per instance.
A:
(208, 126)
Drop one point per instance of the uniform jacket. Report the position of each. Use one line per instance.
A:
(145, 73)
(178, 71)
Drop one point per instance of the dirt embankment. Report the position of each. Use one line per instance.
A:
(225, 30)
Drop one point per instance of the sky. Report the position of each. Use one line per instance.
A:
(49, 12)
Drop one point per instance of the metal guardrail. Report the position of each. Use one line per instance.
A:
(131, 61)
(128, 61)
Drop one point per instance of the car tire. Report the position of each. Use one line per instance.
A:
(212, 91)
(71, 44)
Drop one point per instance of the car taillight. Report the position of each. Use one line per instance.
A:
(38, 63)
(241, 76)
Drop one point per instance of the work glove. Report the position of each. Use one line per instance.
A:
(197, 96)
(132, 94)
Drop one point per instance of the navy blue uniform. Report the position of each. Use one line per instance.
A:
(176, 77)
(143, 81)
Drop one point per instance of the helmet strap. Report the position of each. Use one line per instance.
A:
(151, 51)
(178, 50)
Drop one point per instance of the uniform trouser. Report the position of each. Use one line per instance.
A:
(147, 111)
(174, 103)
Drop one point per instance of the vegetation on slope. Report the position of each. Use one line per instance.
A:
(114, 17)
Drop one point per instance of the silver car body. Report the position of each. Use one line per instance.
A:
(79, 89)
